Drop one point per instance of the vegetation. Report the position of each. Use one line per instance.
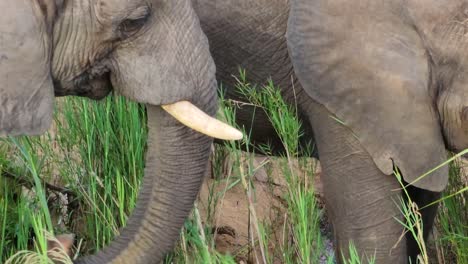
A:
(83, 178)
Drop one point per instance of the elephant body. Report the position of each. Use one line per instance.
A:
(391, 71)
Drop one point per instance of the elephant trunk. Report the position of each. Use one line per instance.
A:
(176, 162)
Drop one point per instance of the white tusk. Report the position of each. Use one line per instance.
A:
(196, 119)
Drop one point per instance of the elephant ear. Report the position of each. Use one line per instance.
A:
(26, 88)
(377, 83)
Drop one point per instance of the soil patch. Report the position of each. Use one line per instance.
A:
(226, 207)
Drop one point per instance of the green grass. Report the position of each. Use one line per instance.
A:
(304, 214)
(96, 194)
(83, 178)
(453, 218)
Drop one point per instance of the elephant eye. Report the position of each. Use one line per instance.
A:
(129, 26)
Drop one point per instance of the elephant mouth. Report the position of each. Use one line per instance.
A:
(93, 83)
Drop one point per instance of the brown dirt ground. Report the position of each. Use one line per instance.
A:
(232, 225)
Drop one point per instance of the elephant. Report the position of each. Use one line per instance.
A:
(380, 86)
(88, 48)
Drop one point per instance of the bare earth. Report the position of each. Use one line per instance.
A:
(232, 219)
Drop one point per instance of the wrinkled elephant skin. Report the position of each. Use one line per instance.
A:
(395, 73)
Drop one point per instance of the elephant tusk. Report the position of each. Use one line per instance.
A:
(191, 116)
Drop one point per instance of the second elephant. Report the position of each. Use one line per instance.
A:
(392, 71)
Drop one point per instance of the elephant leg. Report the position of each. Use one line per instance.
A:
(422, 198)
(361, 201)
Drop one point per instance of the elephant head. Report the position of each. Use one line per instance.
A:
(151, 51)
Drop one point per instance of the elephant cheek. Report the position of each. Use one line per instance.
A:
(151, 85)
